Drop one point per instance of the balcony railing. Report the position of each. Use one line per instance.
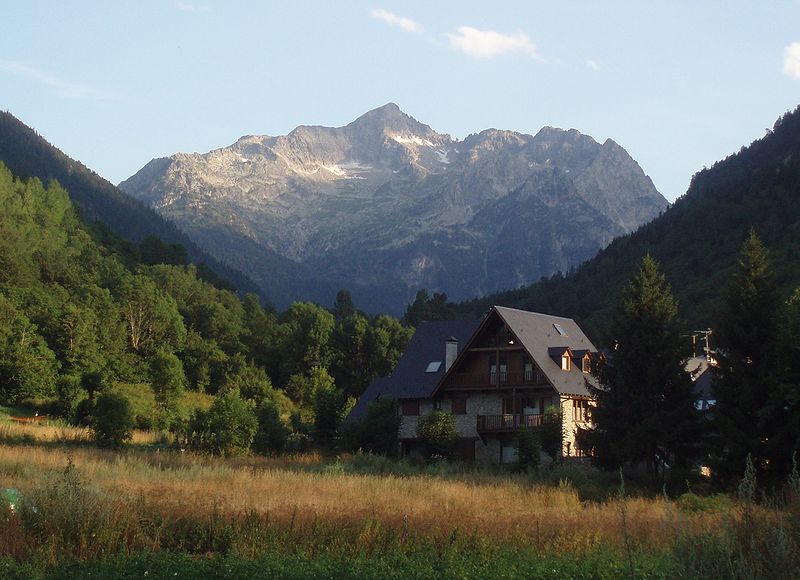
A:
(502, 378)
(508, 422)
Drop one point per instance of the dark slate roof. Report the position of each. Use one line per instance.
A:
(375, 389)
(557, 351)
(538, 335)
(701, 373)
(409, 380)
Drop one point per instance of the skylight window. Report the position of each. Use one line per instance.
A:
(560, 329)
(433, 366)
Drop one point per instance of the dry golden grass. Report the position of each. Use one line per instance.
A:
(503, 509)
(58, 432)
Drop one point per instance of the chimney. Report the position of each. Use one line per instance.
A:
(450, 352)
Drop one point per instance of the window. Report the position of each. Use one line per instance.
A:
(459, 406)
(433, 366)
(528, 371)
(410, 406)
(493, 376)
(560, 330)
(565, 362)
(580, 410)
(587, 364)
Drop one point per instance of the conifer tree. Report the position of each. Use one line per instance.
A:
(645, 402)
(746, 375)
(782, 411)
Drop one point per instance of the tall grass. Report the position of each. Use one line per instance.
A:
(186, 487)
(88, 504)
(59, 432)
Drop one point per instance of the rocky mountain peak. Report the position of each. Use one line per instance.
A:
(389, 120)
(386, 205)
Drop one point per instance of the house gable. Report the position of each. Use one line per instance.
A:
(520, 347)
(493, 356)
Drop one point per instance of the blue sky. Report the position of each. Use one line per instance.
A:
(679, 84)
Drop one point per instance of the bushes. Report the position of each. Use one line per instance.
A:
(169, 382)
(437, 431)
(529, 449)
(69, 394)
(112, 420)
(551, 433)
(227, 428)
(377, 431)
(272, 434)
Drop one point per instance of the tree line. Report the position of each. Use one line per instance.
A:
(82, 310)
(646, 412)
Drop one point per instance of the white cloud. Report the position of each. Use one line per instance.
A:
(57, 86)
(791, 60)
(592, 64)
(393, 19)
(189, 7)
(490, 43)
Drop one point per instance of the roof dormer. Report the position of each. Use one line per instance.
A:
(562, 356)
(584, 359)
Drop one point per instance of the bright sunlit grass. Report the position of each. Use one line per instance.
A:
(504, 509)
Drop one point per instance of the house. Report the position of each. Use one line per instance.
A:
(699, 369)
(496, 376)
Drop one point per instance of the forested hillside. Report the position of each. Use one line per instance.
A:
(27, 154)
(77, 317)
(696, 241)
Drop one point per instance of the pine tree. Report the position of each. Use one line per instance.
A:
(782, 412)
(645, 401)
(746, 375)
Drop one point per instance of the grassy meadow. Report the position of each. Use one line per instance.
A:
(152, 508)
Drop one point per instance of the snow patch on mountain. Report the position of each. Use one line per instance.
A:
(408, 139)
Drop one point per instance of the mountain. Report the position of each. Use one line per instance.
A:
(386, 205)
(27, 154)
(697, 240)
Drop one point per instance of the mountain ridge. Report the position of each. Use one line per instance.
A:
(385, 205)
(696, 240)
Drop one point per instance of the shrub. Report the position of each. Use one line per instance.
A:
(329, 409)
(227, 428)
(69, 393)
(112, 420)
(169, 382)
(529, 449)
(252, 382)
(551, 432)
(437, 431)
(83, 413)
(272, 434)
(377, 431)
(691, 502)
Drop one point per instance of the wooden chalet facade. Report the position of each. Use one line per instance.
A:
(495, 376)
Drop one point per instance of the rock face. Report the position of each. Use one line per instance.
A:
(385, 206)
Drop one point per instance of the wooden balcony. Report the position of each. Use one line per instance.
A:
(508, 422)
(497, 379)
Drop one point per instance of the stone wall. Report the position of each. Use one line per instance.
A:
(571, 426)
(408, 423)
